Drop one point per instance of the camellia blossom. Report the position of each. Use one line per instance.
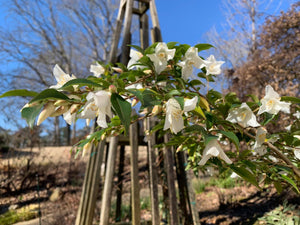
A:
(271, 103)
(213, 149)
(259, 140)
(297, 153)
(161, 56)
(61, 77)
(243, 116)
(98, 105)
(97, 69)
(174, 119)
(135, 56)
(212, 66)
(191, 59)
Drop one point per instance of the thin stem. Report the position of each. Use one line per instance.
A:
(279, 154)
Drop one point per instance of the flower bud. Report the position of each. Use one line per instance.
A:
(59, 111)
(112, 89)
(117, 69)
(134, 102)
(86, 148)
(49, 108)
(103, 136)
(180, 147)
(61, 103)
(147, 71)
(74, 108)
(156, 110)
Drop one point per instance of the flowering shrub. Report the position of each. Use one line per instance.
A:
(214, 130)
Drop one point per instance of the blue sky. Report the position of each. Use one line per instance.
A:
(184, 21)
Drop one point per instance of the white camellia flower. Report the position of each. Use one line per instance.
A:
(271, 103)
(212, 66)
(98, 105)
(161, 56)
(174, 119)
(61, 77)
(297, 114)
(97, 69)
(259, 140)
(297, 153)
(191, 58)
(243, 116)
(213, 149)
(135, 56)
(70, 116)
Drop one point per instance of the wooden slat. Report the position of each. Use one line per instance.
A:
(90, 186)
(169, 161)
(153, 174)
(108, 183)
(135, 189)
(155, 22)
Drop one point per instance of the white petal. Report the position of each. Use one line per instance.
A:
(270, 93)
(167, 123)
(225, 157)
(297, 153)
(204, 159)
(190, 104)
(252, 122)
(177, 125)
(101, 120)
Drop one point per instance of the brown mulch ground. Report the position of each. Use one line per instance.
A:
(56, 168)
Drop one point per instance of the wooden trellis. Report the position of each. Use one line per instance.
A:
(92, 181)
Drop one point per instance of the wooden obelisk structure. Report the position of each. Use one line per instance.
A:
(92, 181)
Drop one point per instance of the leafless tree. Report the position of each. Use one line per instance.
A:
(41, 33)
(276, 59)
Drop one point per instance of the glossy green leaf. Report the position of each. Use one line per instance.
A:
(202, 47)
(291, 182)
(49, 94)
(290, 99)
(138, 48)
(245, 174)
(30, 114)
(180, 100)
(80, 82)
(123, 110)
(231, 137)
(19, 92)
(196, 128)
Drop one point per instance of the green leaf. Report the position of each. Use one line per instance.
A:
(49, 94)
(196, 128)
(30, 113)
(80, 82)
(231, 137)
(208, 138)
(245, 174)
(267, 118)
(290, 99)
(180, 100)
(138, 48)
(19, 92)
(137, 93)
(172, 44)
(123, 110)
(172, 93)
(290, 181)
(200, 112)
(149, 98)
(202, 47)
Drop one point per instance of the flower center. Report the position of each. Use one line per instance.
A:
(270, 103)
(161, 55)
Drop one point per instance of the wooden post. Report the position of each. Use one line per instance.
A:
(90, 186)
(120, 183)
(153, 174)
(156, 28)
(109, 175)
(169, 161)
(135, 189)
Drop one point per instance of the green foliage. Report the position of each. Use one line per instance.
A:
(198, 186)
(14, 216)
(286, 214)
(19, 92)
(30, 113)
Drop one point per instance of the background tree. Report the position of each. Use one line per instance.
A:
(276, 59)
(42, 33)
